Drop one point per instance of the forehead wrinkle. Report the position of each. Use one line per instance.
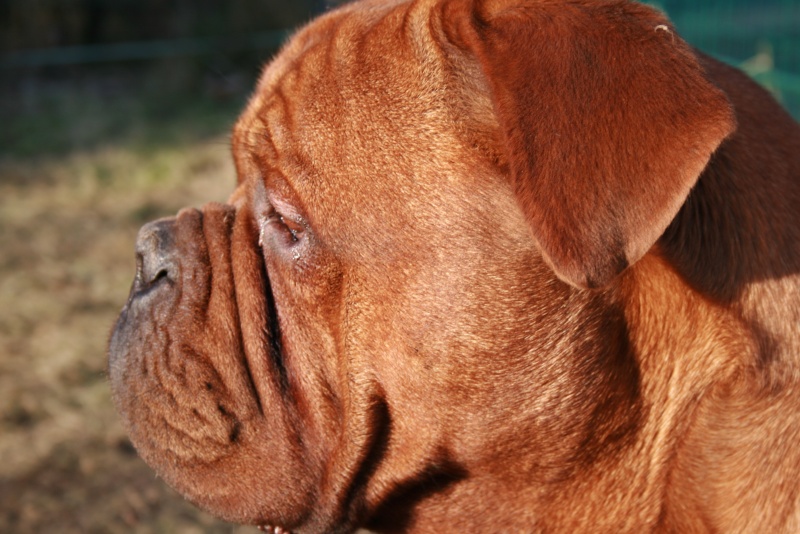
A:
(273, 111)
(289, 122)
(260, 130)
(260, 140)
(296, 47)
(241, 143)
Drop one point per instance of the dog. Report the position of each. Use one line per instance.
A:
(489, 266)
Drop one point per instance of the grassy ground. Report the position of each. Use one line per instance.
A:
(83, 164)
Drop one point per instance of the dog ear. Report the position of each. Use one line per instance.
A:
(607, 119)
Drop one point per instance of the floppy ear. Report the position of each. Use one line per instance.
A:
(607, 119)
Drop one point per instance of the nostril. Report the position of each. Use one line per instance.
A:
(148, 273)
(159, 275)
(155, 254)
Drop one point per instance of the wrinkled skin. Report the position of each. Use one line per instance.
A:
(455, 288)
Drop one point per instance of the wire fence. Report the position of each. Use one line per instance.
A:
(141, 50)
(762, 37)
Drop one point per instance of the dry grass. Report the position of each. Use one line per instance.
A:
(68, 218)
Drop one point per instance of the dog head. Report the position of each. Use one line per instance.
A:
(391, 316)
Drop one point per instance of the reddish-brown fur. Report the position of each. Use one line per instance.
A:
(491, 266)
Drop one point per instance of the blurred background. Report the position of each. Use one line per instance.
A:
(115, 112)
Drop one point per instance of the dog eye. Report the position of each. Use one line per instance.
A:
(286, 229)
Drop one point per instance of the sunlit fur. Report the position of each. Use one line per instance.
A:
(546, 280)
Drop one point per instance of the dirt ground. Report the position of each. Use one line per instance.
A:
(81, 168)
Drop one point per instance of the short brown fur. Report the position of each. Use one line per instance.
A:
(491, 266)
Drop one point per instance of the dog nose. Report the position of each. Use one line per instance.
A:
(155, 254)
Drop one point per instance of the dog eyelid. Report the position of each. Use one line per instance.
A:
(280, 223)
(292, 229)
